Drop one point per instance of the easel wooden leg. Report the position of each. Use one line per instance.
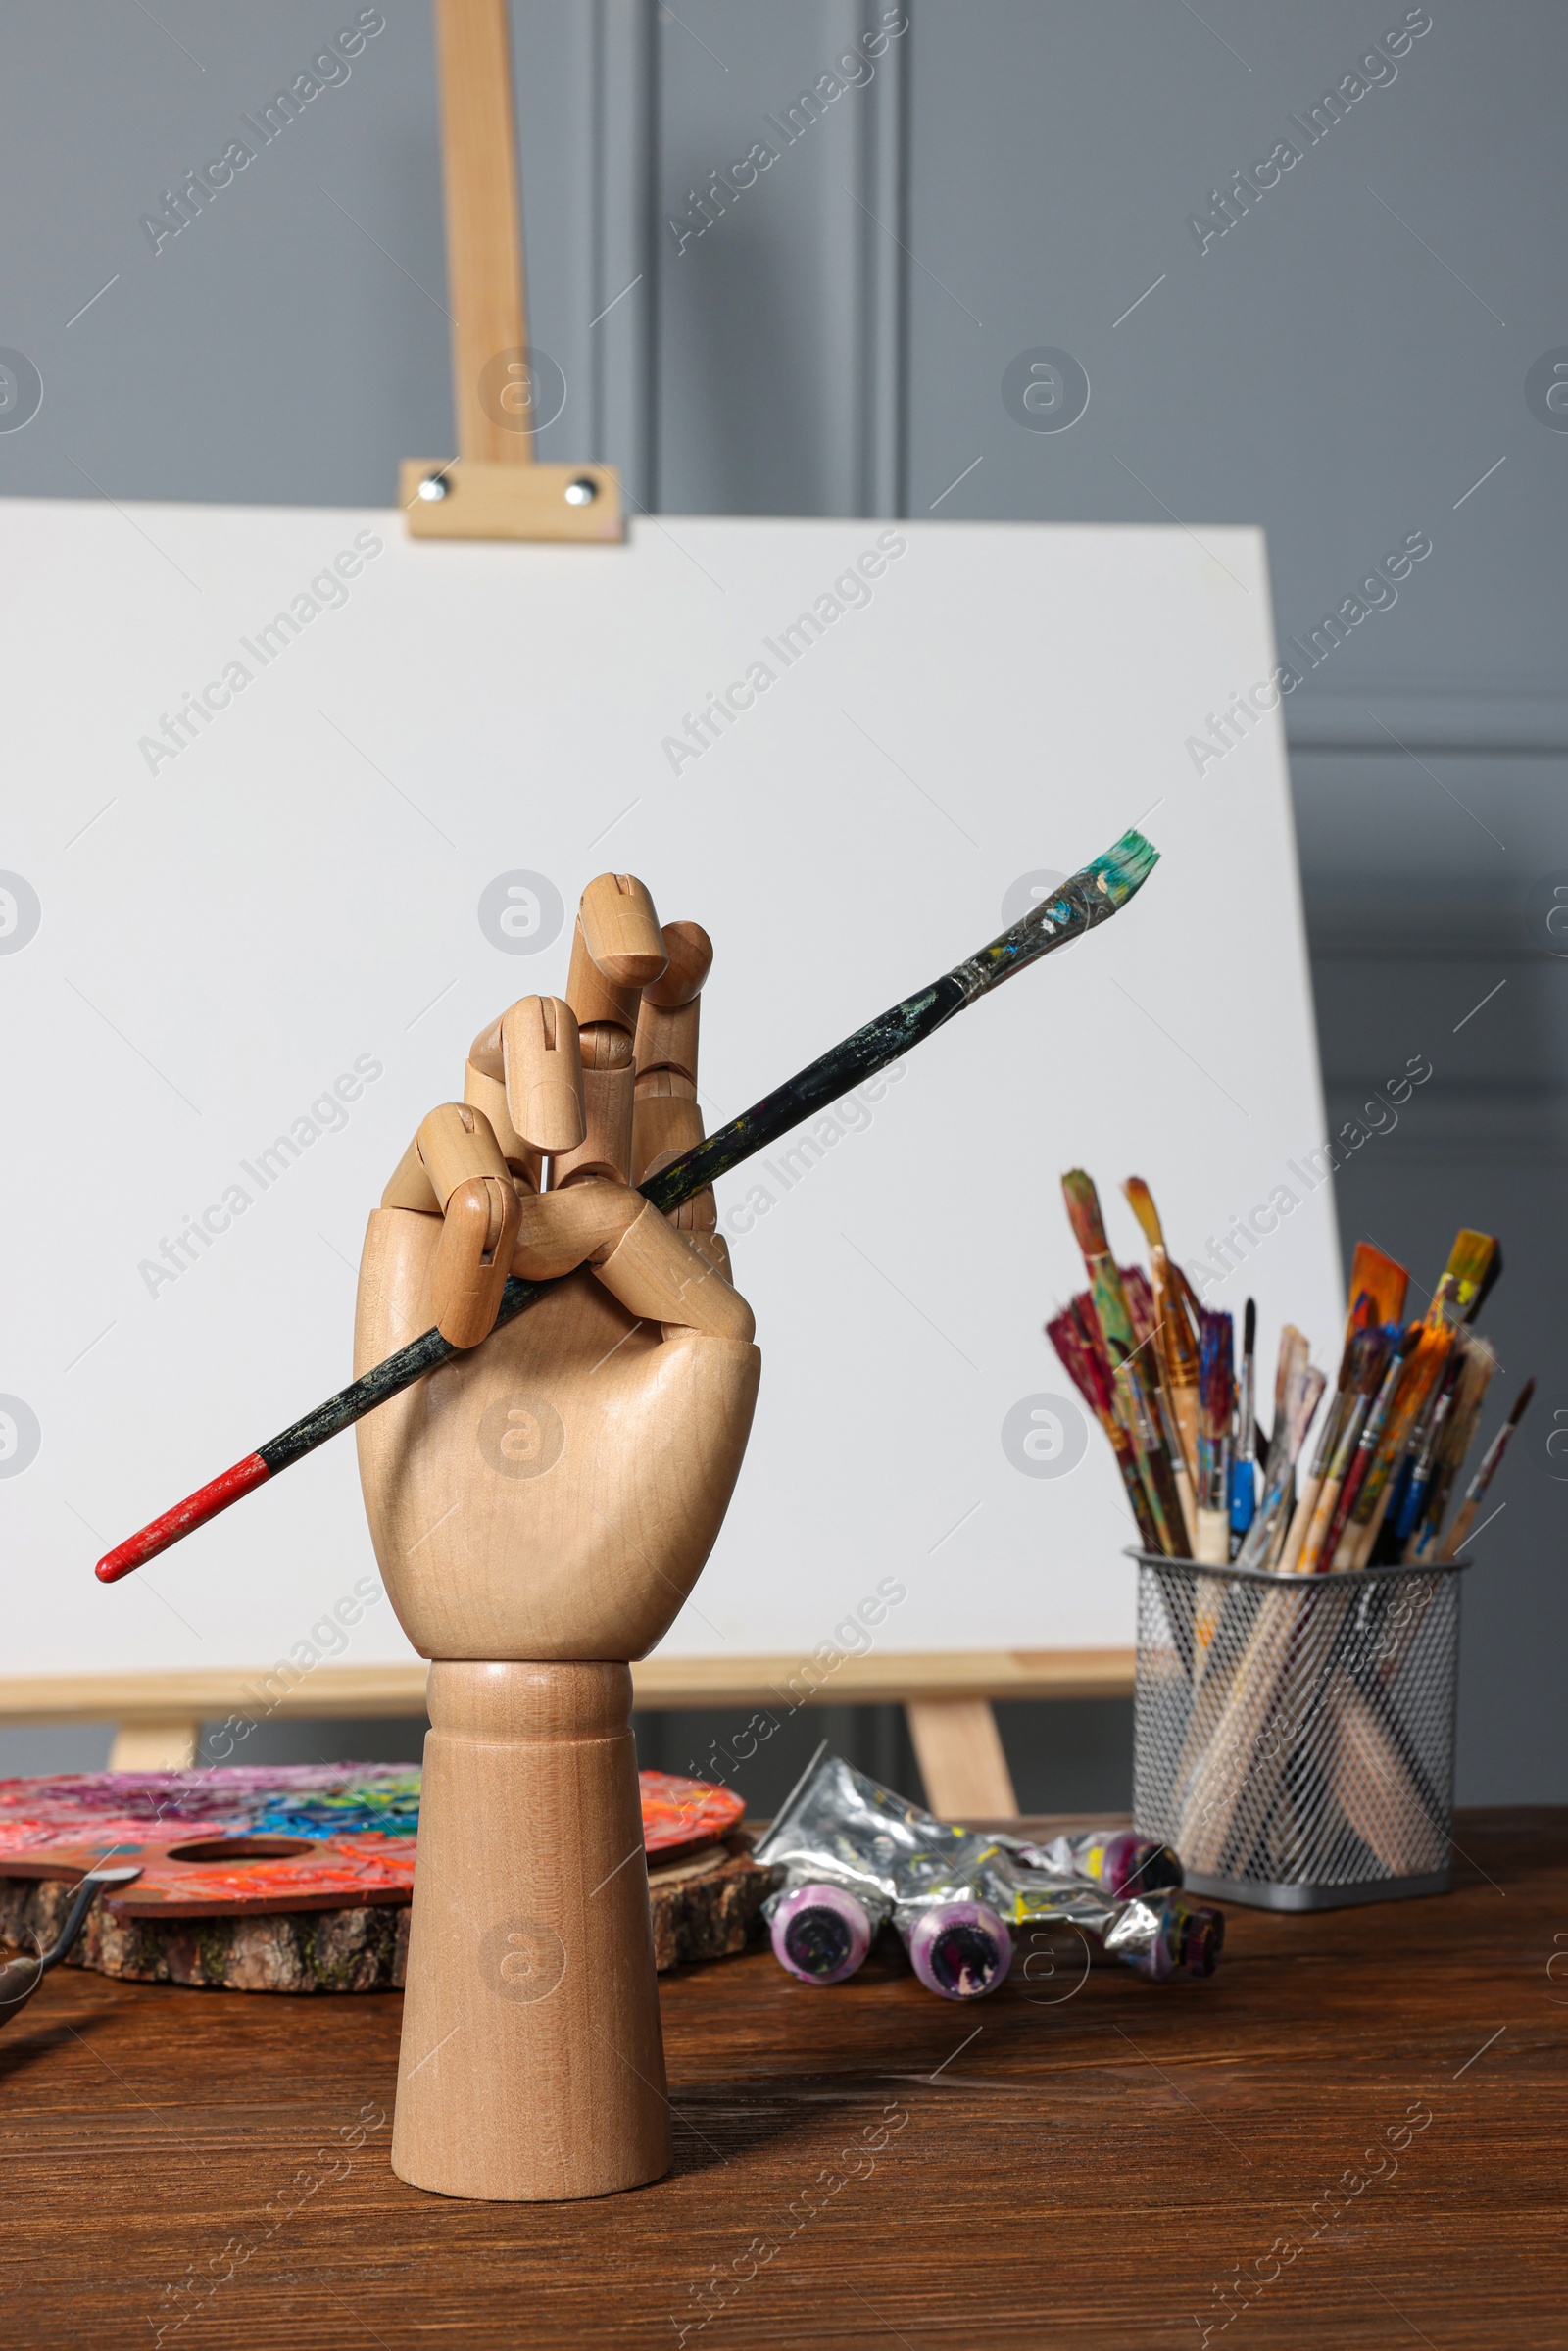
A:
(959, 1748)
(154, 1746)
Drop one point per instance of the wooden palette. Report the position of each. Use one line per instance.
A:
(226, 1842)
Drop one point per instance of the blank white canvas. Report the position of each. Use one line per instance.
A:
(225, 934)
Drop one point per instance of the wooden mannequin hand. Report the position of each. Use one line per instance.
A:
(555, 1492)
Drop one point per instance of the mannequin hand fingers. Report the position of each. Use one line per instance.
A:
(621, 932)
(716, 1248)
(542, 1064)
(616, 946)
(665, 1122)
(484, 1089)
(455, 1142)
(559, 1231)
(700, 1213)
(664, 1276)
(454, 1170)
(474, 1257)
(689, 954)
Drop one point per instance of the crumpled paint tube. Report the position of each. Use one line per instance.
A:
(1116, 1859)
(853, 1854)
(1156, 1934)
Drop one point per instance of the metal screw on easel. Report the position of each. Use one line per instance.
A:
(506, 391)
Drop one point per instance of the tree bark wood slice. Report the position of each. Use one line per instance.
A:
(705, 1906)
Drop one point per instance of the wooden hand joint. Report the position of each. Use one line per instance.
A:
(668, 1039)
(542, 1071)
(577, 1225)
(455, 1169)
(457, 1141)
(659, 1274)
(474, 1257)
(665, 1119)
(605, 1087)
(485, 1092)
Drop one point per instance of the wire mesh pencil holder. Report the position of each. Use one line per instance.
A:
(1294, 1734)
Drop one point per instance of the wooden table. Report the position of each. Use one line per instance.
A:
(860, 2165)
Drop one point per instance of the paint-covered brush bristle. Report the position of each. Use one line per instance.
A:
(1380, 1278)
(1141, 1200)
(1083, 1212)
(1140, 1301)
(1368, 1352)
(1474, 1263)
(1081, 1307)
(1093, 1374)
(1079, 1363)
(1125, 867)
(1217, 1376)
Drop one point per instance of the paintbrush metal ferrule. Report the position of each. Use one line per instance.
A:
(1085, 900)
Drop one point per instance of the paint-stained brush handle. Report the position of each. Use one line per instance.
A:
(207, 1501)
(1084, 901)
(1492, 1461)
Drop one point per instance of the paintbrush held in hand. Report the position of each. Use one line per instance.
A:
(1159, 1374)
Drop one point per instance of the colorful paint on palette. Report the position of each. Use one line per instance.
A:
(295, 1838)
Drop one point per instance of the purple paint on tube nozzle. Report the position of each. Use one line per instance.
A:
(959, 1949)
(820, 1933)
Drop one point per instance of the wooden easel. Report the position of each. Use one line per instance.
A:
(495, 488)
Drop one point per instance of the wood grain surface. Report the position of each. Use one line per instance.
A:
(202, 1693)
(1090, 2169)
(705, 1906)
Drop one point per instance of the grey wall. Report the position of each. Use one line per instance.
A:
(1347, 364)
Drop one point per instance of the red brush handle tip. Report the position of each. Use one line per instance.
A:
(194, 1511)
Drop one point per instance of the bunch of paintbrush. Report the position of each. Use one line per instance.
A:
(1299, 1389)
(1176, 1324)
(1159, 1374)
(1076, 1336)
(1404, 1413)
(1142, 1405)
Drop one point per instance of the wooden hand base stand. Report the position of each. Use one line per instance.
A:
(532, 2065)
